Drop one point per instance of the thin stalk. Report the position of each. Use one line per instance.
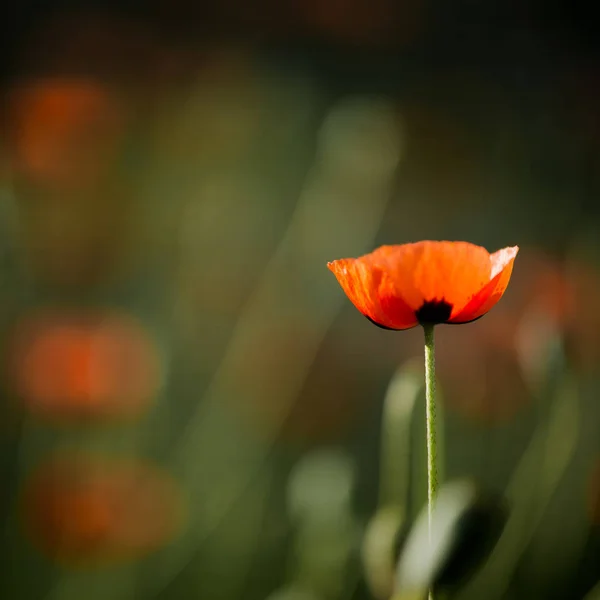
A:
(432, 473)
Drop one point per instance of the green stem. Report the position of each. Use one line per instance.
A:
(432, 472)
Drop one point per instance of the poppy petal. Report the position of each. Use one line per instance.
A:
(501, 269)
(431, 271)
(373, 293)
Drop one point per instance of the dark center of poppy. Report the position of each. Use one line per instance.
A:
(434, 312)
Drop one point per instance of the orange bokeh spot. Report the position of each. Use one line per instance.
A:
(86, 510)
(581, 315)
(488, 371)
(89, 366)
(568, 293)
(65, 131)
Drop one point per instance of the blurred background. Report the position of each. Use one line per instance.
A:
(190, 407)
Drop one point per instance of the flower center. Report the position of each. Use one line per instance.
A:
(434, 311)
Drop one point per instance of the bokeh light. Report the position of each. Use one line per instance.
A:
(84, 366)
(86, 510)
(496, 368)
(66, 132)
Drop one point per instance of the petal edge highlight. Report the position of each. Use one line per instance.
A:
(485, 299)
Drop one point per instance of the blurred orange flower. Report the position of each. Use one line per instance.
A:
(493, 370)
(65, 131)
(85, 510)
(580, 318)
(398, 287)
(564, 295)
(84, 366)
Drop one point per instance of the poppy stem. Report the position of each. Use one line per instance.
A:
(432, 472)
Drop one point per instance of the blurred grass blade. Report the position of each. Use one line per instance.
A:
(594, 594)
(294, 288)
(545, 461)
(405, 390)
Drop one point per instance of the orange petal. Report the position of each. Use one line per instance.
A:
(428, 271)
(501, 269)
(373, 292)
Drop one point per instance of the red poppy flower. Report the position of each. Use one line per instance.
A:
(398, 287)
